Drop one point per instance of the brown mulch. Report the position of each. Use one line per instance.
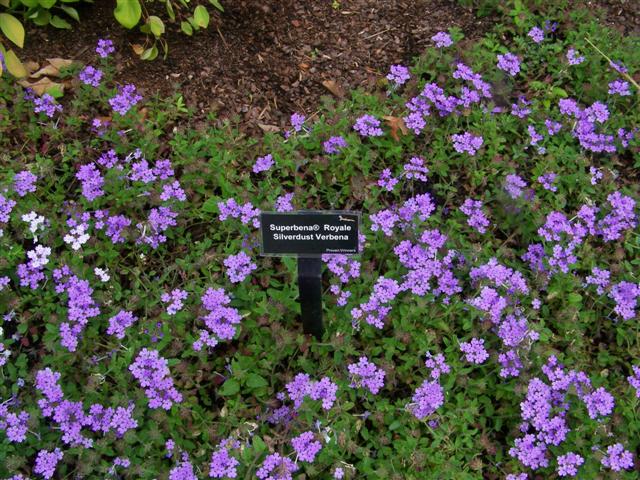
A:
(262, 60)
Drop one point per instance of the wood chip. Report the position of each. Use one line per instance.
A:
(334, 88)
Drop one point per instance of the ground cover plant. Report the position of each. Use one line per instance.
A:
(488, 330)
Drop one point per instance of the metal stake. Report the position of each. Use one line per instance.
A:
(310, 289)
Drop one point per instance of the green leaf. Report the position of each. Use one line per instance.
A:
(201, 16)
(575, 298)
(258, 445)
(211, 205)
(59, 22)
(72, 12)
(395, 425)
(14, 65)
(12, 28)
(216, 4)
(47, 3)
(256, 381)
(186, 28)
(170, 11)
(229, 388)
(55, 91)
(156, 25)
(150, 53)
(128, 13)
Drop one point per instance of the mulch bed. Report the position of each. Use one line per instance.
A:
(262, 60)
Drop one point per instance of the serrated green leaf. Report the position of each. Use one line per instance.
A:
(229, 388)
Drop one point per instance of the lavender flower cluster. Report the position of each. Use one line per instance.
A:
(221, 319)
(152, 372)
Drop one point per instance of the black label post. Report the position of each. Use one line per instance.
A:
(309, 234)
(310, 289)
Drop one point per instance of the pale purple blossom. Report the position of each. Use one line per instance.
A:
(536, 34)
(509, 63)
(91, 76)
(263, 164)
(126, 98)
(442, 40)
(368, 126)
(573, 57)
(105, 48)
(398, 75)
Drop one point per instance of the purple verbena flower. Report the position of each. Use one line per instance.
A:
(536, 34)
(426, 399)
(239, 266)
(46, 462)
(276, 467)
(263, 164)
(509, 63)
(24, 182)
(398, 75)
(467, 142)
(574, 58)
(387, 181)
(126, 98)
(617, 458)
(306, 446)
(366, 374)
(46, 104)
(90, 76)
(297, 121)
(547, 180)
(368, 126)
(120, 322)
(476, 217)
(619, 87)
(442, 40)
(334, 145)
(174, 299)
(105, 48)
(568, 464)
(474, 351)
(283, 203)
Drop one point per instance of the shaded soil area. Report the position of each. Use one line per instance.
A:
(262, 60)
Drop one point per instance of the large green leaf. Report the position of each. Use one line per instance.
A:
(12, 28)
(128, 12)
